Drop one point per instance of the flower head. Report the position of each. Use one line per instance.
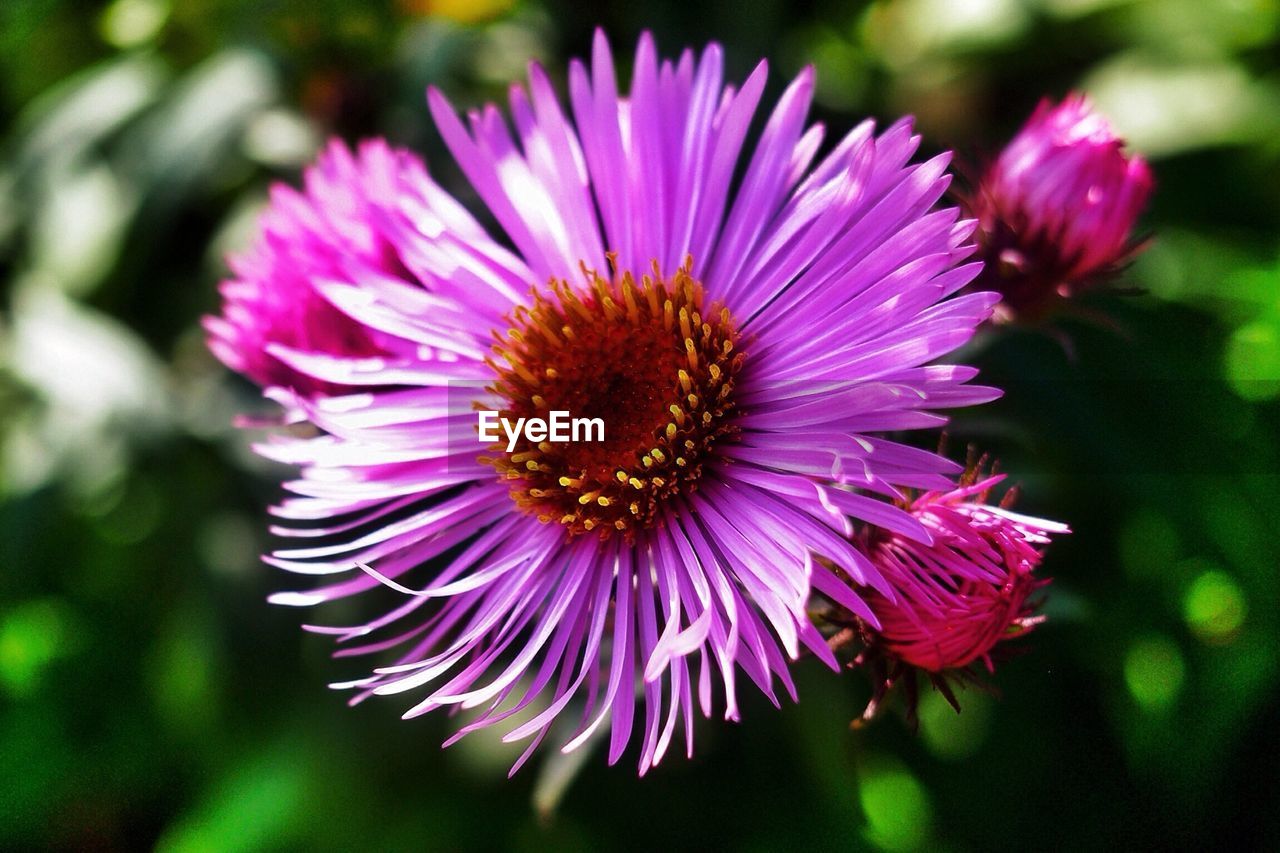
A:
(329, 231)
(746, 323)
(1058, 207)
(957, 596)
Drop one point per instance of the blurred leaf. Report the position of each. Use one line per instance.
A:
(92, 376)
(905, 31)
(186, 141)
(78, 113)
(1163, 108)
(558, 770)
(1207, 271)
(1192, 28)
(258, 805)
(78, 233)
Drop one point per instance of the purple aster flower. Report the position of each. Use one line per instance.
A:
(748, 326)
(1056, 211)
(955, 597)
(329, 231)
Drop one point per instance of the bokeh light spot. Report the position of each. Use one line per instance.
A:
(460, 11)
(181, 669)
(136, 516)
(32, 636)
(951, 735)
(1253, 360)
(1154, 671)
(897, 808)
(130, 23)
(1214, 607)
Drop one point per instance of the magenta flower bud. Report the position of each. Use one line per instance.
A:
(1056, 211)
(954, 599)
(275, 310)
(965, 592)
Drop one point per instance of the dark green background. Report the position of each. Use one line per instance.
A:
(148, 694)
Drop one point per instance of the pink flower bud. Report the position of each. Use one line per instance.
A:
(275, 306)
(958, 597)
(1057, 210)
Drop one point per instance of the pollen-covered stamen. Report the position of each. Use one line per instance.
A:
(644, 358)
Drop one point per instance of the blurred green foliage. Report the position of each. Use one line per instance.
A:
(149, 696)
